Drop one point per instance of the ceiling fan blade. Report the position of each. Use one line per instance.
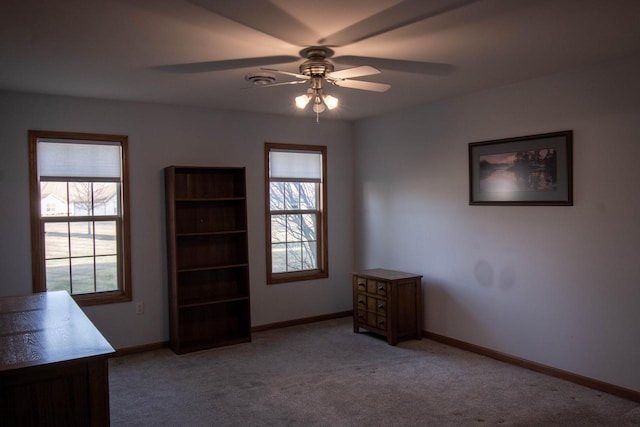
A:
(359, 84)
(293, 82)
(404, 13)
(230, 64)
(417, 67)
(296, 75)
(349, 73)
(263, 16)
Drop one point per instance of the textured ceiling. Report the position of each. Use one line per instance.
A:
(136, 49)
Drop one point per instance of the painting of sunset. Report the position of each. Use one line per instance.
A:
(532, 170)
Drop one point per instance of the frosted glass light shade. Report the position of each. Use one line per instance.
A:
(330, 102)
(302, 101)
(318, 104)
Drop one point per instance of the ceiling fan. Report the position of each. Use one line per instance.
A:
(317, 69)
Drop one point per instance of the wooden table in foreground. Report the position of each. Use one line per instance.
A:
(388, 303)
(53, 363)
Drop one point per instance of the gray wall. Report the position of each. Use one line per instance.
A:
(555, 285)
(160, 136)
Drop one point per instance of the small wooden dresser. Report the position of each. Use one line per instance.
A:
(388, 303)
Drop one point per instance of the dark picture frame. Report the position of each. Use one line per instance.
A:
(527, 170)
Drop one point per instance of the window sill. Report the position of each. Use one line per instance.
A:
(298, 276)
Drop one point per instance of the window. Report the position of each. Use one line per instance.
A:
(79, 215)
(296, 195)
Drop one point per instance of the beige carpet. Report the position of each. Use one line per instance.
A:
(322, 374)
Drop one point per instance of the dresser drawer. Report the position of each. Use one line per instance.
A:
(372, 310)
(377, 305)
(371, 286)
(381, 288)
(380, 322)
(372, 319)
(376, 286)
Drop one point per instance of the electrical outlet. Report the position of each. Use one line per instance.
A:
(139, 307)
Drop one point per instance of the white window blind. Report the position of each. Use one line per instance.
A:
(294, 164)
(78, 159)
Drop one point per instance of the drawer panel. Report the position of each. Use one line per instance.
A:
(372, 319)
(381, 322)
(381, 288)
(372, 286)
(361, 284)
(362, 316)
(377, 287)
(376, 320)
(377, 305)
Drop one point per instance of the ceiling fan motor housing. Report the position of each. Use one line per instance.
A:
(316, 64)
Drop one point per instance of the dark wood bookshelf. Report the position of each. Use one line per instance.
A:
(207, 257)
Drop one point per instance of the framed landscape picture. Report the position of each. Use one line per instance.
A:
(527, 170)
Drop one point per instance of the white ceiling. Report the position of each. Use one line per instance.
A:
(122, 49)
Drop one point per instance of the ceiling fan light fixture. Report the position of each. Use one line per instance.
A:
(330, 101)
(318, 104)
(302, 101)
